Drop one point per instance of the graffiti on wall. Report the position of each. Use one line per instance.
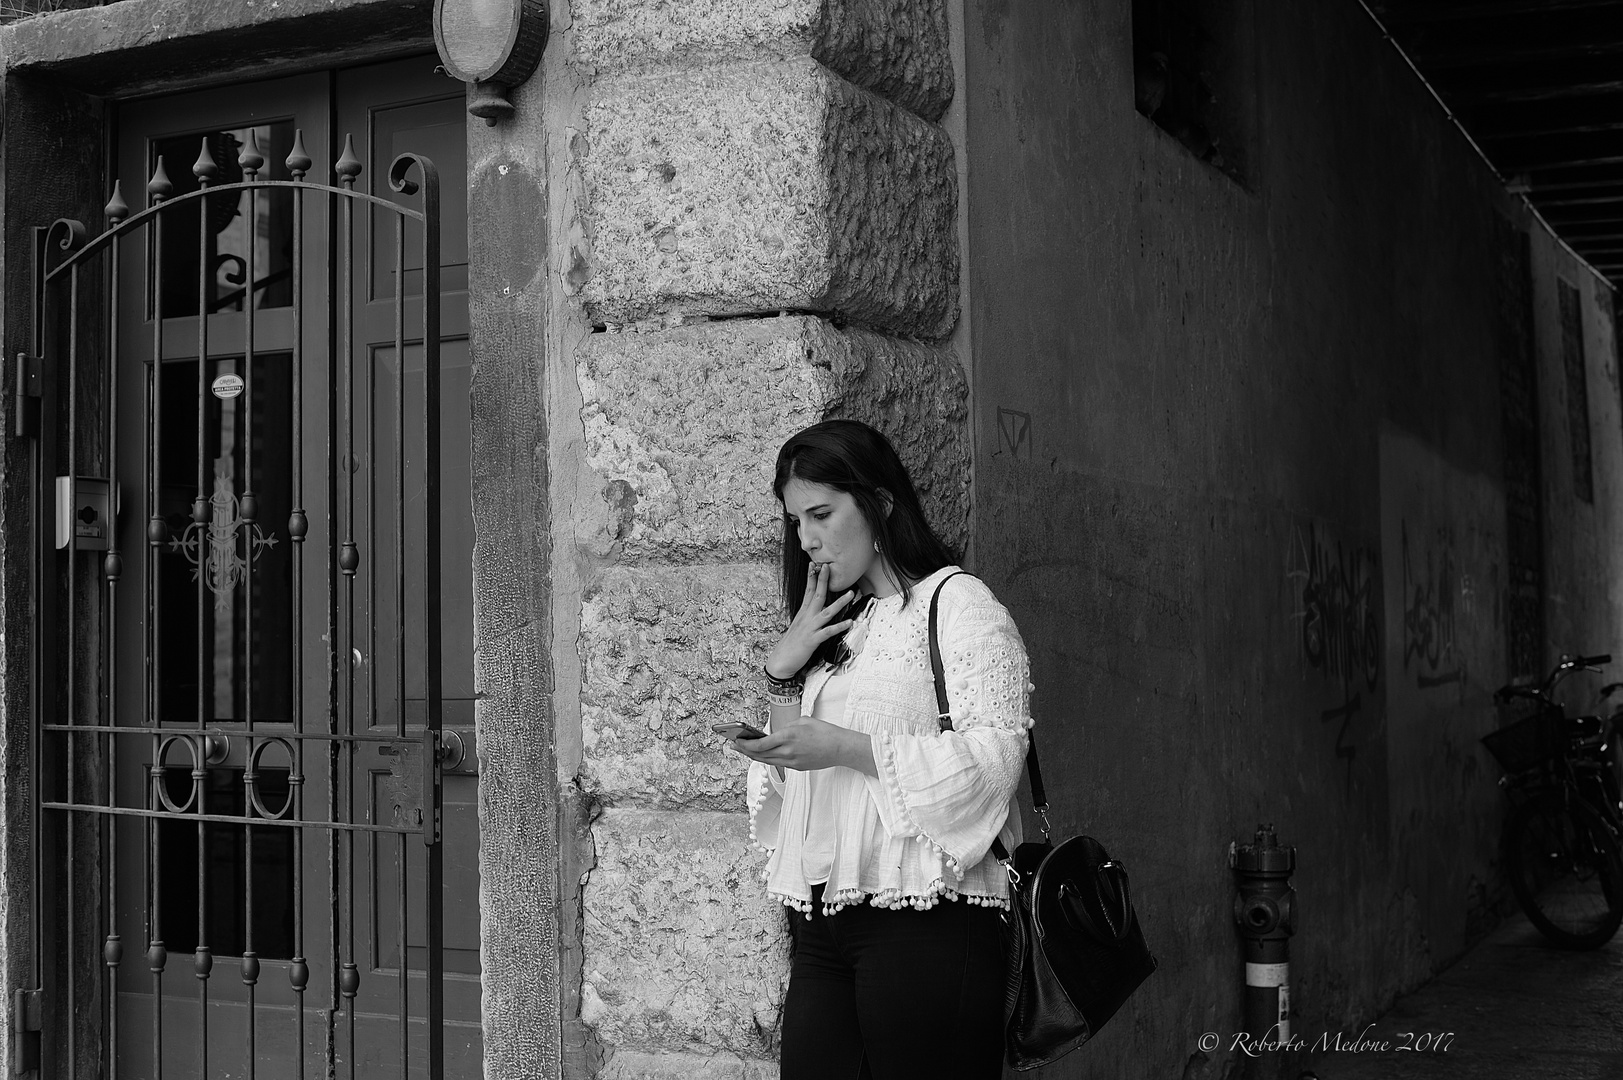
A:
(1014, 433)
(1344, 713)
(1334, 587)
(1431, 581)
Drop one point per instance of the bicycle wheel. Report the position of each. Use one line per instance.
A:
(1565, 870)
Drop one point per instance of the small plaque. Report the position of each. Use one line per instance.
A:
(227, 386)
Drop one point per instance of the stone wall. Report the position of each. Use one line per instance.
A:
(767, 238)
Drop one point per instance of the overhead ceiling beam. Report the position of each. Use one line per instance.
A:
(1556, 159)
(1527, 80)
(1596, 229)
(1602, 197)
(1488, 58)
(1563, 215)
(1580, 176)
(1548, 116)
(1408, 12)
(1483, 88)
(1496, 42)
(1591, 229)
(1486, 132)
(1511, 156)
(1562, 226)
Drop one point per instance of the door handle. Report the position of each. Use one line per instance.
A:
(452, 750)
(216, 748)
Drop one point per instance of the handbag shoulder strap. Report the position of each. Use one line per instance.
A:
(1039, 797)
(943, 715)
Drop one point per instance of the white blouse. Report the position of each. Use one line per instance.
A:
(922, 829)
(822, 824)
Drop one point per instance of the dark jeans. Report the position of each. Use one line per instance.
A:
(895, 995)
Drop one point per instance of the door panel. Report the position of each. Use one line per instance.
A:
(391, 109)
(210, 667)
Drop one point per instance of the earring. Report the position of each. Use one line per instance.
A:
(876, 545)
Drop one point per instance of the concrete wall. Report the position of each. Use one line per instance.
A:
(1239, 475)
(1584, 596)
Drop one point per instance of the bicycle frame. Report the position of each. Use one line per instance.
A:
(1583, 763)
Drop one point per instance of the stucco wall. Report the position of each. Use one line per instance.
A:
(1240, 478)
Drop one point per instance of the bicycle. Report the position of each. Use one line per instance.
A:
(1563, 841)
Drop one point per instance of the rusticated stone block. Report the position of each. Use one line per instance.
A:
(761, 187)
(666, 652)
(684, 426)
(671, 1065)
(896, 48)
(683, 949)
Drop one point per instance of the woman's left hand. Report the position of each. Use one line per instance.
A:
(807, 744)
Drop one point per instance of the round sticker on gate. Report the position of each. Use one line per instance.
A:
(227, 386)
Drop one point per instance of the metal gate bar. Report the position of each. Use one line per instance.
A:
(343, 825)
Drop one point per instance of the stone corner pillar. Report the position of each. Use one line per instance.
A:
(769, 239)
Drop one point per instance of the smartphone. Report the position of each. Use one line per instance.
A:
(738, 730)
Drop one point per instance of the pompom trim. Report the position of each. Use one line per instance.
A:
(756, 798)
(891, 899)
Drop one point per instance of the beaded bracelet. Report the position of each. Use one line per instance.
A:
(782, 686)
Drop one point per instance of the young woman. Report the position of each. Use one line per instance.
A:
(877, 821)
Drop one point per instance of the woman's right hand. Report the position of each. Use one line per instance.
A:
(811, 626)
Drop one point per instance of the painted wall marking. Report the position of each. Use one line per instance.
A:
(1345, 713)
(1334, 589)
(1014, 433)
(1430, 582)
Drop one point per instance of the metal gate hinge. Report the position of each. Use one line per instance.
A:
(27, 1018)
(26, 399)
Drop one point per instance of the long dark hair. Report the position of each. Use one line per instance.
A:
(850, 456)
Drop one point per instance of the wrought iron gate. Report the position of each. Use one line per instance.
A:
(255, 768)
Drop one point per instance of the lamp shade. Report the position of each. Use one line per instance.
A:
(490, 41)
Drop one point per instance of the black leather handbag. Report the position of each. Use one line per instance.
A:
(1073, 946)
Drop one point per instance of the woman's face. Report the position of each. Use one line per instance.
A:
(833, 532)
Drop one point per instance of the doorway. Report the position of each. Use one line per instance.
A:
(274, 786)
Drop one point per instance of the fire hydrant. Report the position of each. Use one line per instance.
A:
(1265, 911)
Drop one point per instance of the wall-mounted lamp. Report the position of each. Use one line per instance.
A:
(493, 44)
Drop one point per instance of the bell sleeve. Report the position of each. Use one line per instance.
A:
(952, 789)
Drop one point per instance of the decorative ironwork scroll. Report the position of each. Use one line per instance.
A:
(212, 547)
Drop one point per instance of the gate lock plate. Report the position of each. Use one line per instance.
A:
(400, 794)
(408, 794)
